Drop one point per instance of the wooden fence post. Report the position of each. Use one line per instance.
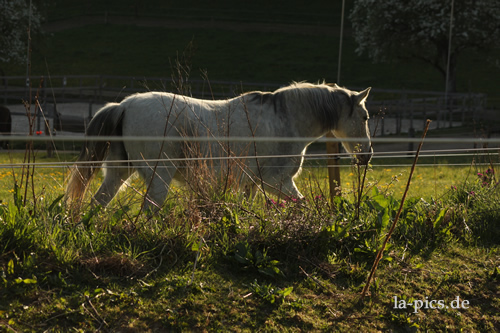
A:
(333, 166)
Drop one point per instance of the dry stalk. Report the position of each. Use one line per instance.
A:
(259, 170)
(393, 226)
(361, 183)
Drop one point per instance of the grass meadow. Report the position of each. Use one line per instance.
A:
(432, 179)
(212, 261)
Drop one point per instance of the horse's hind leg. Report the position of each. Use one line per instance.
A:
(116, 174)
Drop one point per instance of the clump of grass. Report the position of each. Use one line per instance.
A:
(474, 208)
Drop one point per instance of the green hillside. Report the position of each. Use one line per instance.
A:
(253, 42)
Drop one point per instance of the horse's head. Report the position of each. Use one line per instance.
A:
(353, 124)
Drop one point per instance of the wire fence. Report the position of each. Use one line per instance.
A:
(488, 150)
(233, 139)
(409, 106)
(439, 171)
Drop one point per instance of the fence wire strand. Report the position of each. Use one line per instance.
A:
(401, 154)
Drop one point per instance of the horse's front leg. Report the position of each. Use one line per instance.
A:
(284, 185)
(290, 190)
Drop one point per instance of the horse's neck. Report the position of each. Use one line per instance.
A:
(306, 120)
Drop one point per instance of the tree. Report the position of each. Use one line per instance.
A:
(14, 22)
(394, 30)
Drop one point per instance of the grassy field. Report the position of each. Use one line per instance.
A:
(268, 56)
(230, 53)
(433, 179)
(212, 261)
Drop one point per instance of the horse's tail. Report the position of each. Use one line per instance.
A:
(107, 122)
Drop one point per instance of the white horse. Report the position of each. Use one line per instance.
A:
(301, 110)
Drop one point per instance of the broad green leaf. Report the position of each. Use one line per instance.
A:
(384, 219)
(195, 246)
(287, 291)
(55, 202)
(440, 217)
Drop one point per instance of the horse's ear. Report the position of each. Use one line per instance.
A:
(362, 95)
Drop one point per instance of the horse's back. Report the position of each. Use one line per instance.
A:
(169, 115)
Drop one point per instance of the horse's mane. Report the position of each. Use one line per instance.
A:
(319, 99)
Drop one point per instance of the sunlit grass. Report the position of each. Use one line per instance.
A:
(430, 180)
(46, 179)
(215, 261)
